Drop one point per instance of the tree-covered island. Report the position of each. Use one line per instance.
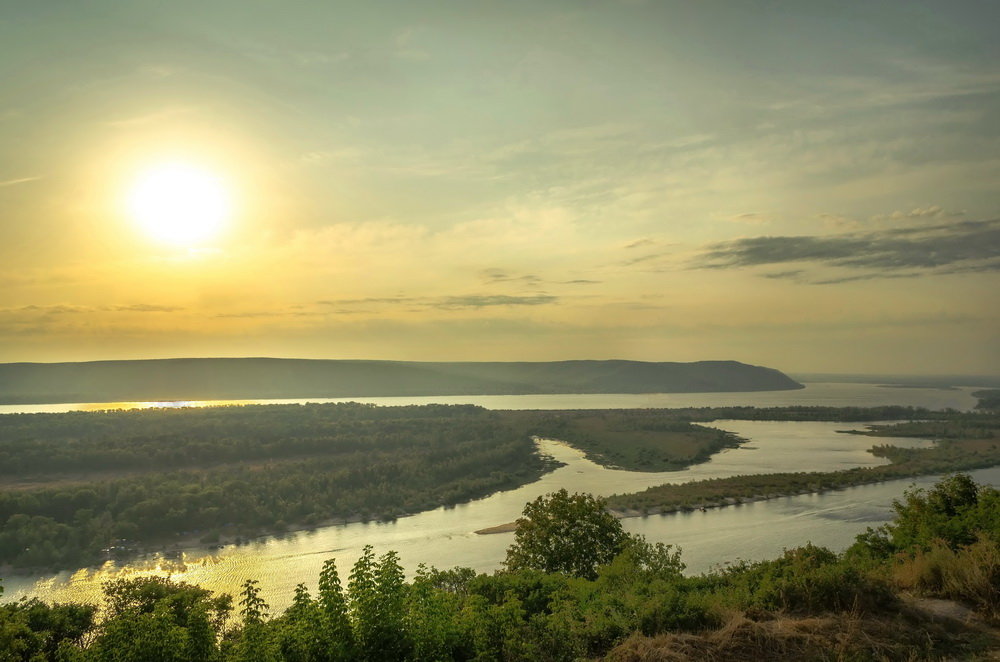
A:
(78, 487)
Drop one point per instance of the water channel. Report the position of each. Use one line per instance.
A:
(446, 537)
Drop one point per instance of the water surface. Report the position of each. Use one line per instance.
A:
(446, 537)
(814, 394)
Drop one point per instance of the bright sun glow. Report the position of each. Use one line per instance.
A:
(179, 203)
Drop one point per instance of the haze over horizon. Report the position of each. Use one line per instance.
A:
(807, 186)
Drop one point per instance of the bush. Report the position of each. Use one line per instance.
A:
(810, 579)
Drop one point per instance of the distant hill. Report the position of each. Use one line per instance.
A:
(246, 378)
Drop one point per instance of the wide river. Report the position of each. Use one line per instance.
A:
(446, 537)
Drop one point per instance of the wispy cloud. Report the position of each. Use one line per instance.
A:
(640, 242)
(751, 218)
(146, 308)
(496, 276)
(484, 301)
(71, 309)
(450, 302)
(968, 246)
(20, 180)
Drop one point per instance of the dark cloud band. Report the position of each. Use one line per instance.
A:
(968, 246)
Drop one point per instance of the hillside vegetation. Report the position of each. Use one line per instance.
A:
(249, 378)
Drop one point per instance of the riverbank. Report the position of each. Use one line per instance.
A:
(964, 442)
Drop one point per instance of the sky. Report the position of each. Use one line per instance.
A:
(810, 186)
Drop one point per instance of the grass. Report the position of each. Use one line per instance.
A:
(905, 636)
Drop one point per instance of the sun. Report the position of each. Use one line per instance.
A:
(180, 203)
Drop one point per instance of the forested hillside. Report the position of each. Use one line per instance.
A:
(215, 379)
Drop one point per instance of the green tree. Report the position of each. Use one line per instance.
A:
(153, 618)
(377, 593)
(568, 533)
(300, 630)
(255, 644)
(949, 511)
(33, 630)
(338, 636)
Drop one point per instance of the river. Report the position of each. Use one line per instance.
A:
(445, 537)
(814, 394)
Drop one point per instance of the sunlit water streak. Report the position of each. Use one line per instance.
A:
(814, 393)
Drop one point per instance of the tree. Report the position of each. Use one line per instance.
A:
(338, 636)
(572, 534)
(156, 619)
(377, 591)
(946, 511)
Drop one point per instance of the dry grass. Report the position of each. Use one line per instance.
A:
(970, 574)
(907, 636)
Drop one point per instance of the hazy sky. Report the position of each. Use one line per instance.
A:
(812, 186)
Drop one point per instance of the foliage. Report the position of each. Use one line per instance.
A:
(988, 399)
(560, 532)
(807, 579)
(808, 602)
(33, 630)
(636, 439)
(970, 574)
(155, 619)
(241, 471)
(954, 512)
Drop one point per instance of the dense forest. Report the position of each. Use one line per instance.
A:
(633, 439)
(77, 487)
(576, 586)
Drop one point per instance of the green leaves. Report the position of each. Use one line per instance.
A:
(954, 511)
(572, 534)
(378, 607)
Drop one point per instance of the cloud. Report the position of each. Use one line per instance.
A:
(751, 218)
(365, 300)
(839, 222)
(67, 309)
(933, 212)
(494, 276)
(644, 258)
(57, 309)
(790, 274)
(483, 301)
(450, 302)
(146, 308)
(967, 246)
(20, 180)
